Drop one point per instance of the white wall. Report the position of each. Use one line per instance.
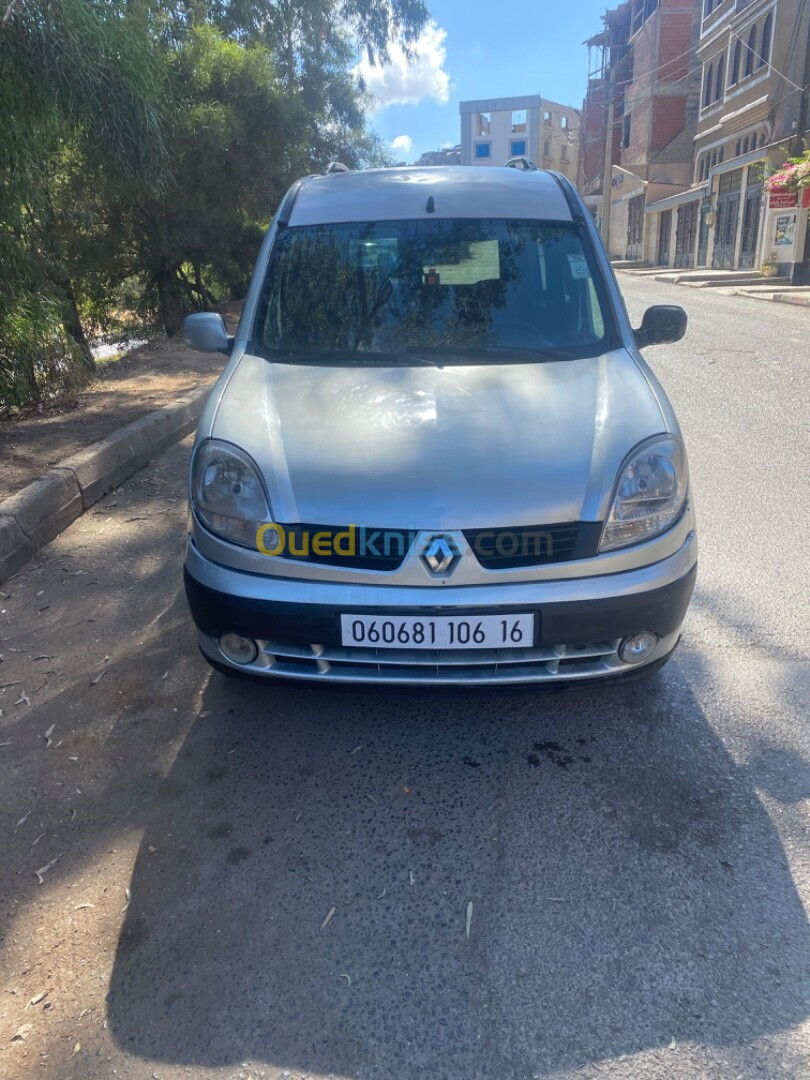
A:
(500, 137)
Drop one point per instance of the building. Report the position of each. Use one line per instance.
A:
(644, 97)
(445, 155)
(752, 57)
(496, 129)
(610, 64)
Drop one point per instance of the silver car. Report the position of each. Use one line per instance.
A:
(435, 454)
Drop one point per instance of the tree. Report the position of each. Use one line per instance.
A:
(147, 143)
(72, 73)
(261, 93)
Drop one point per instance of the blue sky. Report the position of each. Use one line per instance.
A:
(481, 49)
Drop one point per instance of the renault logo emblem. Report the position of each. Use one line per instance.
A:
(440, 554)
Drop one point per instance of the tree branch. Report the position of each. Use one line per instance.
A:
(9, 10)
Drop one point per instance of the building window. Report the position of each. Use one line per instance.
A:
(547, 148)
(483, 123)
(708, 81)
(518, 147)
(721, 153)
(546, 117)
(564, 152)
(720, 81)
(483, 150)
(762, 140)
(735, 65)
(564, 123)
(765, 49)
(737, 148)
(745, 145)
(749, 52)
(626, 130)
(518, 121)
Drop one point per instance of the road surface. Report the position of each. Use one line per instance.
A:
(637, 859)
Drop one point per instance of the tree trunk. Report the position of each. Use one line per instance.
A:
(25, 374)
(73, 325)
(171, 308)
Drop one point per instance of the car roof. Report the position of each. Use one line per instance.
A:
(463, 191)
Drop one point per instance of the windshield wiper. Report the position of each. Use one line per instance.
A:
(343, 356)
(522, 352)
(481, 353)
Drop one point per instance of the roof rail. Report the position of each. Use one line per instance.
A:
(336, 167)
(522, 163)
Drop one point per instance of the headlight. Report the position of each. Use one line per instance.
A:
(650, 493)
(228, 493)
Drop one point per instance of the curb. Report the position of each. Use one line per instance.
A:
(802, 300)
(33, 516)
(786, 298)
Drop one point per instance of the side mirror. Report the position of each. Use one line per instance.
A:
(661, 324)
(206, 332)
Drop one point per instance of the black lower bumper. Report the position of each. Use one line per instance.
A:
(661, 610)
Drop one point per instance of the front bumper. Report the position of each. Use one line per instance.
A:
(579, 625)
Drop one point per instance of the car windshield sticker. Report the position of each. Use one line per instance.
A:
(579, 267)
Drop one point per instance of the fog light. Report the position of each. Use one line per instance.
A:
(237, 649)
(638, 647)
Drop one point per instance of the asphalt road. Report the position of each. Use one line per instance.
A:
(637, 859)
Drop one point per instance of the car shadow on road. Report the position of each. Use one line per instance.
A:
(302, 893)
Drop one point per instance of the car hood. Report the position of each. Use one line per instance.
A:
(418, 447)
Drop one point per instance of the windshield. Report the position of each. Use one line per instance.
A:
(461, 288)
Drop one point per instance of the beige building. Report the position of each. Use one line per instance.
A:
(496, 129)
(752, 60)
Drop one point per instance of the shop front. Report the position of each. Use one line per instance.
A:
(678, 226)
(787, 242)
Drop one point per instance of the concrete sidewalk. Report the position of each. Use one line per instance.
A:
(746, 283)
(35, 515)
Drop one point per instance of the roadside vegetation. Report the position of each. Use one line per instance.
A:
(143, 148)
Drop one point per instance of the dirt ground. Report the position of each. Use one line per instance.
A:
(148, 378)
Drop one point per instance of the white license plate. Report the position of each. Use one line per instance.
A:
(438, 631)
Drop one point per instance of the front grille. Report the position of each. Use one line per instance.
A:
(534, 545)
(384, 550)
(335, 664)
(353, 547)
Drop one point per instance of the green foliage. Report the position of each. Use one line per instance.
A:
(78, 81)
(38, 359)
(145, 147)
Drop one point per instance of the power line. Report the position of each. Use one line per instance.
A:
(709, 60)
(642, 98)
(734, 34)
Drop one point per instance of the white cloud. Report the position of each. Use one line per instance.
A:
(403, 83)
(402, 145)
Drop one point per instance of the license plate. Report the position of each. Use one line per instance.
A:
(438, 631)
